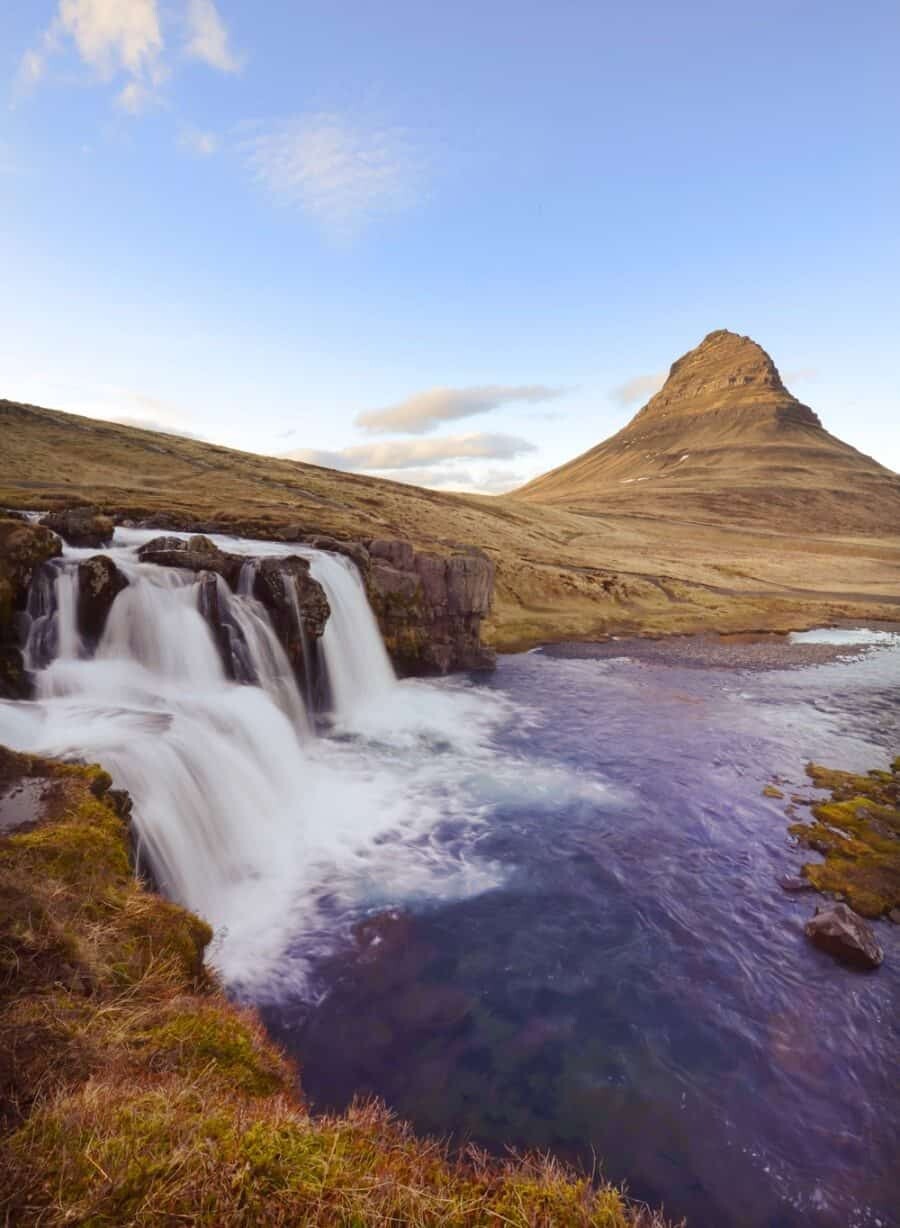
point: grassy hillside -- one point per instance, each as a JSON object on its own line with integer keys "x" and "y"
{"x": 616, "y": 564}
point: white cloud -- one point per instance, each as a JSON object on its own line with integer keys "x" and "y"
{"x": 196, "y": 141}
{"x": 800, "y": 375}
{"x": 410, "y": 454}
{"x": 493, "y": 482}
{"x": 641, "y": 388}
{"x": 151, "y": 424}
{"x": 424, "y": 411}
{"x": 126, "y": 37}
{"x": 208, "y": 39}
{"x": 340, "y": 173}
{"x": 114, "y": 35}
{"x": 136, "y": 97}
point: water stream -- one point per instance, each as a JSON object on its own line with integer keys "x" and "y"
{"x": 538, "y": 908}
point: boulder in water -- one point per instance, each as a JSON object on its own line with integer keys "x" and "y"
{"x": 81, "y": 526}
{"x": 99, "y": 583}
{"x": 196, "y": 553}
{"x": 844, "y": 934}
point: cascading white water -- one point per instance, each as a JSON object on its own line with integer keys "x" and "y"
{"x": 263, "y": 658}
{"x": 359, "y": 669}
{"x": 277, "y": 840}
{"x": 69, "y": 641}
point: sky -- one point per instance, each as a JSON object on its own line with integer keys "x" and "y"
{"x": 448, "y": 244}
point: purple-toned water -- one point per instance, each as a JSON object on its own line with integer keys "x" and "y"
{"x": 634, "y": 985}
{"x": 535, "y": 909}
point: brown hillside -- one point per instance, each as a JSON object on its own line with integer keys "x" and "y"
{"x": 725, "y": 438}
{"x": 769, "y": 523}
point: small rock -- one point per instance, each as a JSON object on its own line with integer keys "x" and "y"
{"x": 771, "y": 791}
{"x": 793, "y": 882}
{"x": 844, "y": 935}
{"x": 894, "y": 915}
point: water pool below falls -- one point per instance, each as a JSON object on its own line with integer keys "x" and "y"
{"x": 534, "y": 909}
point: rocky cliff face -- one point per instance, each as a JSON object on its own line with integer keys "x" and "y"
{"x": 23, "y": 548}
{"x": 430, "y": 606}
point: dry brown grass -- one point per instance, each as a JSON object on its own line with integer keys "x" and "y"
{"x": 765, "y": 557}
{"x": 133, "y": 1093}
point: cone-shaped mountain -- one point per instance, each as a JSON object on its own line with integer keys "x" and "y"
{"x": 725, "y": 438}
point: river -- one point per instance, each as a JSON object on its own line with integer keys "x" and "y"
{"x": 535, "y": 908}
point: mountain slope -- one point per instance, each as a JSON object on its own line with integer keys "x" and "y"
{"x": 724, "y": 437}
{"x": 613, "y": 561}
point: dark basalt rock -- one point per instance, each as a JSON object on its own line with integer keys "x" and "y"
{"x": 81, "y": 526}
{"x": 99, "y": 583}
{"x": 288, "y": 592}
{"x": 844, "y": 935}
{"x": 351, "y": 550}
{"x": 24, "y": 547}
{"x": 285, "y": 587}
{"x": 430, "y": 606}
{"x": 196, "y": 553}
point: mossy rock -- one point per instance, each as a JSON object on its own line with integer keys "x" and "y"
{"x": 857, "y": 831}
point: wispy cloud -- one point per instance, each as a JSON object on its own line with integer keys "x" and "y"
{"x": 196, "y": 141}
{"x": 116, "y": 38}
{"x": 151, "y": 424}
{"x": 800, "y": 375}
{"x": 425, "y": 411}
{"x": 341, "y": 172}
{"x": 493, "y": 482}
{"x": 417, "y": 453}
{"x": 641, "y": 388}
{"x": 208, "y": 38}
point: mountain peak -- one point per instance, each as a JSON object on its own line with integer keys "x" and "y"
{"x": 723, "y": 432}
{"x": 725, "y": 371}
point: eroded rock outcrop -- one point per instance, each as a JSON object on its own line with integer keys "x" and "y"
{"x": 195, "y": 553}
{"x": 296, "y": 603}
{"x": 844, "y": 935}
{"x": 99, "y": 583}
{"x": 298, "y": 609}
{"x": 81, "y": 526}
{"x": 430, "y": 606}
{"x": 23, "y": 548}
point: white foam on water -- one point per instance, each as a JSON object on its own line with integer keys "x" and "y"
{"x": 278, "y": 838}
{"x": 845, "y": 636}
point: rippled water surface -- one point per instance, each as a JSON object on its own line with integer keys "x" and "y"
{"x": 625, "y": 978}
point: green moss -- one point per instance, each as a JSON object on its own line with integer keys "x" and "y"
{"x": 857, "y": 831}
{"x": 232, "y": 1045}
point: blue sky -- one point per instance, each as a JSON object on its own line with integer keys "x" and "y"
{"x": 450, "y": 244}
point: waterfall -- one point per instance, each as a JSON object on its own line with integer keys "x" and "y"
{"x": 257, "y": 653}
{"x": 189, "y": 700}
{"x": 358, "y": 668}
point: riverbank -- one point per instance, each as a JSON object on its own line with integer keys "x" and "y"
{"x": 623, "y": 564}
{"x": 134, "y": 1092}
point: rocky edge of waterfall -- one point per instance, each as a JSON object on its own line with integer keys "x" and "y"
{"x": 429, "y": 604}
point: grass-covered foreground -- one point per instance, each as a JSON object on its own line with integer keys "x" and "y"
{"x": 133, "y": 1092}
